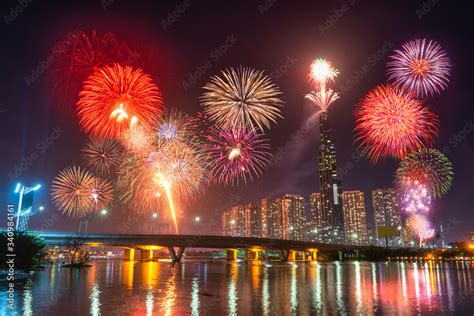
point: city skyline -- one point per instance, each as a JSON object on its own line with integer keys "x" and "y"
{"x": 55, "y": 142}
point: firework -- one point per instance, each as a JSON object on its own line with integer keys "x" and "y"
{"x": 80, "y": 54}
{"x": 426, "y": 166}
{"x": 201, "y": 124}
{"x": 237, "y": 156}
{"x": 322, "y": 73}
{"x": 417, "y": 199}
{"x": 172, "y": 169}
{"x": 183, "y": 168}
{"x": 421, "y": 66}
{"x": 101, "y": 193}
{"x": 115, "y": 99}
{"x": 71, "y": 192}
{"x": 101, "y": 155}
{"x": 136, "y": 186}
{"x": 390, "y": 122}
{"x": 418, "y": 225}
{"x": 175, "y": 125}
{"x": 138, "y": 140}
{"x": 242, "y": 98}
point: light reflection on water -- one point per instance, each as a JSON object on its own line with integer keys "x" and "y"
{"x": 202, "y": 288}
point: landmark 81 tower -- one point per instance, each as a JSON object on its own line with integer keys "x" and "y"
{"x": 331, "y": 219}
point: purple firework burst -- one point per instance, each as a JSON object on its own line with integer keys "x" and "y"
{"x": 420, "y": 66}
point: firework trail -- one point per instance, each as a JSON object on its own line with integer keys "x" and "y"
{"x": 102, "y": 155}
{"x": 242, "y": 99}
{"x": 166, "y": 184}
{"x": 391, "y": 122}
{"x": 115, "y": 99}
{"x": 426, "y": 166}
{"x": 420, "y": 66}
{"x": 234, "y": 156}
{"x": 322, "y": 73}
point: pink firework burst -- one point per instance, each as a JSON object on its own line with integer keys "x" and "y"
{"x": 417, "y": 199}
{"x": 419, "y": 226}
{"x": 420, "y": 66}
{"x": 235, "y": 156}
{"x": 391, "y": 122}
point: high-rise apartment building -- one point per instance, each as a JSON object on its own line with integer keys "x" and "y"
{"x": 387, "y": 217}
{"x": 355, "y": 217}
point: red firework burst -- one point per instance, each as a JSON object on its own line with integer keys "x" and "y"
{"x": 80, "y": 54}
{"x": 115, "y": 99}
{"x": 391, "y": 122}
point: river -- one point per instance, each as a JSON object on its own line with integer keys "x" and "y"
{"x": 200, "y": 287}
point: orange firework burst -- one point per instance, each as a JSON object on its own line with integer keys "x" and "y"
{"x": 71, "y": 192}
{"x": 115, "y": 99}
{"x": 136, "y": 187}
{"x": 101, "y": 155}
{"x": 78, "y": 193}
{"x": 391, "y": 122}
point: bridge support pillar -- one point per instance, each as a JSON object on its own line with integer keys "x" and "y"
{"x": 232, "y": 254}
{"x": 129, "y": 254}
{"x": 176, "y": 257}
{"x": 340, "y": 255}
{"x": 252, "y": 255}
{"x": 287, "y": 255}
{"x": 311, "y": 255}
{"x": 146, "y": 255}
{"x": 357, "y": 253}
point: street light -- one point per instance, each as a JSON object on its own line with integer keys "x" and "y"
{"x": 197, "y": 219}
{"x": 41, "y": 208}
{"x": 155, "y": 215}
{"x": 103, "y": 212}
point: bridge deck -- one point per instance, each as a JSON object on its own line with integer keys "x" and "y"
{"x": 188, "y": 241}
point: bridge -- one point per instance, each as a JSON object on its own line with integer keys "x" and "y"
{"x": 147, "y": 243}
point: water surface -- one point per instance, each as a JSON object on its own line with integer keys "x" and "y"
{"x": 114, "y": 287}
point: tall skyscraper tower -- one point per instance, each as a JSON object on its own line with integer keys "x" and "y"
{"x": 332, "y": 215}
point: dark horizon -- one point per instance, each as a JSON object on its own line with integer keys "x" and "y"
{"x": 281, "y": 38}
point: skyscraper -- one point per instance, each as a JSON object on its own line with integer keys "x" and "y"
{"x": 234, "y": 221}
{"x": 294, "y": 217}
{"x": 332, "y": 216}
{"x": 315, "y": 214}
{"x": 253, "y": 220}
{"x": 355, "y": 217}
{"x": 387, "y": 216}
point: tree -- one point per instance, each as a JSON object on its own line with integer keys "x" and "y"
{"x": 29, "y": 249}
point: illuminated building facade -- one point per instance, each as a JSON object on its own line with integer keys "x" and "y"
{"x": 253, "y": 220}
{"x": 293, "y": 217}
{"x": 315, "y": 217}
{"x": 387, "y": 216}
{"x": 355, "y": 217}
{"x": 332, "y": 216}
{"x": 280, "y": 218}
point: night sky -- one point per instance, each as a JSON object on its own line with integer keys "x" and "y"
{"x": 279, "y": 37}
